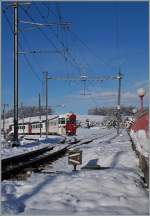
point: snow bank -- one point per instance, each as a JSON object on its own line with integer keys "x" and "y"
{"x": 139, "y": 134}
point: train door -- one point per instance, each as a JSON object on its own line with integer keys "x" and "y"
{"x": 62, "y": 126}
{"x": 29, "y": 128}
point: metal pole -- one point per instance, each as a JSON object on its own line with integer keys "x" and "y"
{"x": 4, "y": 120}
{"x": 16, "y": 72}
{"x": 4, "y": 106}
{"x": 40, "y": 114}
{"x": 22, "y": 116}
{"x": 46, "y": 105}
{"x": 118, "y": 106}
{"x": 142, "y": 103}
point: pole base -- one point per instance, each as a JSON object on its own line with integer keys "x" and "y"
{"x": 15, "y": 143}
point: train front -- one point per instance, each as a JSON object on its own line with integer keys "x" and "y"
{"x": 71, "y": 124}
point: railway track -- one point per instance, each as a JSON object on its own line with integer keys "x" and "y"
{"x": 87, "y": 140}
{"x": 21, "y": 163}
{"x": 31, "y": 161}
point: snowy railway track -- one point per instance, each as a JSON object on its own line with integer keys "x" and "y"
{"x": 32, "y": 161}
{"x": 89, "y": 140}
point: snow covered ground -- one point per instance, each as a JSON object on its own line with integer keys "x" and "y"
{"x": 91, "y": 190}
{"x": 29, "y": 145}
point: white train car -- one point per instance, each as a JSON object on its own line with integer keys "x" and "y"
{"x": 64, "y": 124}
{"x": 53, "y": 126}
{"x": 35, "y": 127}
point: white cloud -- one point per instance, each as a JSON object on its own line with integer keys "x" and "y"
{"x": 141, "y": 83}
{"x": 104, "y": 96}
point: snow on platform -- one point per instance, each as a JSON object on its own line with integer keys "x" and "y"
{"x": 117, "y": 190}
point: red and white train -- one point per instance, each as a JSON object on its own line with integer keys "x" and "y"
{"x": 64, "y": 124}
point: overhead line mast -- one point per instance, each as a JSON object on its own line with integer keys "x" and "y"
{"x": 16, "y": 45}
{"x": 86, "y": 78}
{"x": 15, "y": 5}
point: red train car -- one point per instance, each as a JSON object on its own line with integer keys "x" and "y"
{"x": 67, "y": 124}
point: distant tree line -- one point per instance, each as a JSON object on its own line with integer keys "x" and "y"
{"x": 28, "y": 111}
{"x": 110, "y": 110}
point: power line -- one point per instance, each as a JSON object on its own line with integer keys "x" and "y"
{"x": 8, "y": 21}
{"x": 45, "y": 35}
{"x": 73, "y": 61}
{"x": 41, "y": 30}
{"x": 26, "y": 58}
{"x": 83, "y": 42}
{"x": 90, "y": 50}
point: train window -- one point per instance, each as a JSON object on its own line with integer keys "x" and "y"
{"x": 41, "y": 126}
{"x": 61, "y": 121}
{"x": 71, "y": 120}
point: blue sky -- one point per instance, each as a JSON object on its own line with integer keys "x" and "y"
{"x": 117, "y": 34}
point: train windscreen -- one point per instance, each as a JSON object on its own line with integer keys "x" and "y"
{"x": 71, "y": 120}
{"x": 61, "y": 121}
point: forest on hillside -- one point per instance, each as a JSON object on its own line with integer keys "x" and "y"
{"x": 28, "y": 111}
{"x": 111, "y": 110}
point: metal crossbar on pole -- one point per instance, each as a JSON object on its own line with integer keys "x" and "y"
{"x": 66, "y": 24}
{"x": 85, "y": 78}
{"x": 40, "y": 51}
